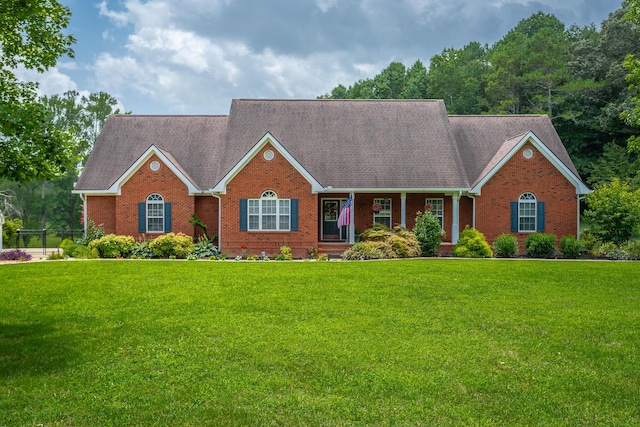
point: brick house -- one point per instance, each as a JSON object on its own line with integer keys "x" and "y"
{"x": 277, "y": 172}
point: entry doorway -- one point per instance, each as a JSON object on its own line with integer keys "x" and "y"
{"x": 330, "y": 211}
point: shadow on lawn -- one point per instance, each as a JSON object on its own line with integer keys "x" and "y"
{"x": 33, "y": 348}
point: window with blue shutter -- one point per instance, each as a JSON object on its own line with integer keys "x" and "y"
{"x": 167, "y": 217}
{"x": 527, "y": 215}
{"x": 243, "y": 214}
{"x": 268, "y": 213}
{"x": 142, "y": 217}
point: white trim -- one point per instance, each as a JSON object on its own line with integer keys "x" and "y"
{"x": 116, "y": 188}
{"x": 221, "y": 186}
{"x": 581, "y": 188}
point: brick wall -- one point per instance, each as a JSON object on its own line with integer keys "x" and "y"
{"x": 102, "y": 211}
{"x": 538, "y": 176}
{"x": 206, "y": 208}
{"x": 256, "y": 177}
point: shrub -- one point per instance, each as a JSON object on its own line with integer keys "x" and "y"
{"x": 396, "y": 243}
{"x": 590, "y": 242}
{"x": 614, "y": 211}
{"x": 141, "y": 250}
{"x": 472, "y": 244}
{"x": 505, "y": 246}
{"x": 633, "y": 248}
{"x": 285, "y": 254}
{"x": 203, "y": 248}
{"x": 428, "y": 232}
{"x": 55, "y": 256}
{"x": 14, "y": 255}
{"x": 93, "y": 233}
{"x": 363, "y": 251}
{"x": 10, "y": 230}
{"x": 112, "y": 246}
{"x": 172, "y": 245}
{"x": 540, "y": 245}
{"x": 571, "y": 247}
{"x": 377, "y": 233}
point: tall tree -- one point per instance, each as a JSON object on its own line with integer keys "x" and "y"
{"x": 632, "y": 64}
{"x": 31, "y": 35}
{"x": 457, "y": 76}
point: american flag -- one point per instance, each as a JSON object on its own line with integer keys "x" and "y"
{"x": 345, "y": 214}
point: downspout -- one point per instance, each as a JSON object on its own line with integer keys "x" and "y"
{"x": 580, "y": 197}
{"x": 219, "y": 221}
{"x": 473, "y": 211}
{"x": 83, "y": 197}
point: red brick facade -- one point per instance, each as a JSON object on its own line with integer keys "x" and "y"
{"x": 119, "y": 214}
{"x": 258, "y": 176}
{"x": 536, "y": 175}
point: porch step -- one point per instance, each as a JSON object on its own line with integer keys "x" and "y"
{"x": 333, "y": 249}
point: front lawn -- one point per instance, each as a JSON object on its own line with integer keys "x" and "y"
{"x": 414, "y": 342}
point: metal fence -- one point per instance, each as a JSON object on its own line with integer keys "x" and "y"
{"x": 24, "y": 237}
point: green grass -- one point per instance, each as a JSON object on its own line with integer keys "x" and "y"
{"x": 422, "y": 342}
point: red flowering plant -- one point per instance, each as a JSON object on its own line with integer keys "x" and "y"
{"x": 244, "y": 247}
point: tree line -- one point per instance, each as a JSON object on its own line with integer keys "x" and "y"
{"x": 575, "y": 75}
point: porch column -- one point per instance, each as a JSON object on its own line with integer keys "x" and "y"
{"x": 403, "y": 210}
{"x": 352, "y": 226}
{"x": 455, "y": 222}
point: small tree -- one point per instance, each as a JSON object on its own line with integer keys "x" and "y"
{"x": 614, "y": 211}
{"x": 428, "y": 232}
{"x": 472, "y": 244}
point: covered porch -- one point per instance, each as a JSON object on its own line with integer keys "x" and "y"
{"x": 391, "y": 208}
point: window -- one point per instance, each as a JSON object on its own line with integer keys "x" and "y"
{"x": 527, "y": 213}
{"x": 383, "y": 216}
{"x": 155, "y": 214}
{"x": 269, "y": 213}
{"x": 437, "y": 208}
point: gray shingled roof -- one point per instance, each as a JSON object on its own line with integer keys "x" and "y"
{"x": 353, "y": 144}
{"x": 480, "y": 137}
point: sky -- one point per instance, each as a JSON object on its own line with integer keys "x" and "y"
{"x": 194, "y": 56}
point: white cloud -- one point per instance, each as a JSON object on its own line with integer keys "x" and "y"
{"x": 50, "y": 82}
{"x": 119, "y": 19}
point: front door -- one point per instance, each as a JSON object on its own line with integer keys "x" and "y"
{"x": 330, "y": 212}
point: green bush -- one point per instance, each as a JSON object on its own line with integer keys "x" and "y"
{"x": 540, "y": 245}
{"x": 141, "y": 250}
{"x": 93, "y": 233}
{"x": 505, "y": 246}
{"x": 396, "y": 243}
{"x": 472, "y": 244}
{"x": 10, "y": 230}
{"x": 112, "y": 246}
{"x": 428, "y": 232}
{"x": 591, "y": 242}
{"x": 172, "y": 245}
{"x": 203, "y": 248}
{"x": 571, "y": 247}
{"x": 363, "y": 251}
{"x": 285, "y": 254}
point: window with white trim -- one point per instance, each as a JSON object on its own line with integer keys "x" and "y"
{"x": 155, "y": 213}
{"x": 269, "y": 213}
{"x": 383, "y": 215}
{"x": 527, "y": 213}
{"x": 437, "y": 208}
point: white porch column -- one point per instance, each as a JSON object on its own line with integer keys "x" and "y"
{"x": 403, "y": 210}
{"x": 352, "y": 226}
{"x": 455, "y": 221}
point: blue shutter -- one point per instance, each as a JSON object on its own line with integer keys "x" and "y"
{"x": 294, "y": 214}
{"x": 514, "y": 217}
{"x": 167, "y": 217}
{"x": 540, "y": 225}
{"x": 142, "y": 217}
{"x": 243, "y": 214}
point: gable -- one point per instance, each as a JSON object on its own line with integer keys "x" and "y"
{"x": 510, "y": 147}
{"x": 163, "y": 157}
{"x": 267, "y": 139}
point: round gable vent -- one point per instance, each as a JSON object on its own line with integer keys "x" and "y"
{"x": 527, "y": 153}
{"x": 269, "y": 155}
{"x": 154, "y": 166}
